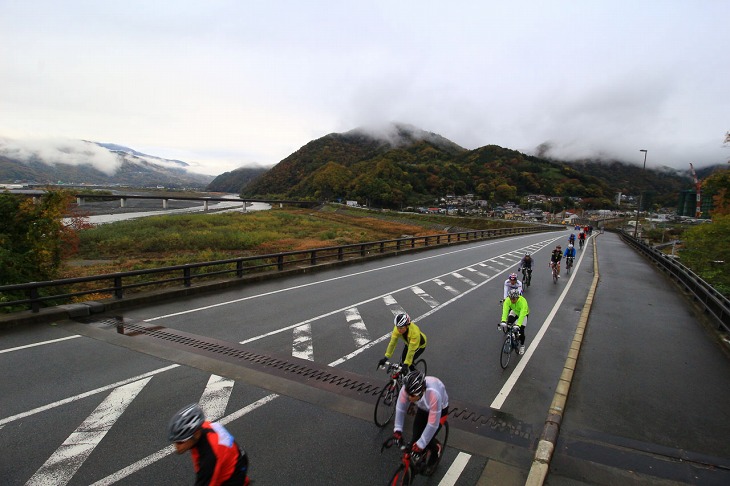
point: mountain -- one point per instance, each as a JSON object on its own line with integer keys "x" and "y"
{"x": 235, "y": 180}
{"x": 403, "y": 165}
{"x": 97, "y": 163}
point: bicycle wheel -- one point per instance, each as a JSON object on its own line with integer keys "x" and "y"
{"x": 442, "y": 436}
{"x": 504, "y": 355}
{"x": 385, "y": 406}
{"x": 421, "y": 366}
{"x": 402, "y": 477}
{"x": 555, "y": 274}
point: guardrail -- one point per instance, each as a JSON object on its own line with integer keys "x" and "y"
{"x": 710, "y": 299}
{"x": 64, "y": 291}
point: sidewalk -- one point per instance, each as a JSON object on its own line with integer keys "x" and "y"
{"x": 649, "y": 398}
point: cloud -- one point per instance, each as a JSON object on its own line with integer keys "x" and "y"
{"x": 61, "y": 151}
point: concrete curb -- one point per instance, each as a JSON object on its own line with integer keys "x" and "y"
{"x": 546, "y": 445}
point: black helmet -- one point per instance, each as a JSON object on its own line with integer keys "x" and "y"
{"x": 415, "y": 382}
{"x": 185, "y": 423}
{"x": 401, "y": 320}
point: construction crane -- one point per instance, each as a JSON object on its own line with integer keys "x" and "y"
{"x": 698, "y": 189}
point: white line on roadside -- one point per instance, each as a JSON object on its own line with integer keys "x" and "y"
{"x": 296, "y": 287}
{"x": 18, "y": 348}
{"x": 512, "y": 380}
{"x": 58, "y": 403}
{"x": 457, "y": 467}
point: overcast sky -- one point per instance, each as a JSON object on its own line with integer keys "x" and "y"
{"x": 223, "y": 84}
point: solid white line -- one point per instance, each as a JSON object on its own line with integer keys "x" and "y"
{"x": 215, "y": 397}
{"x": 512, "y": 380}
{"x": 68, "y": 458}
{"x": 457, "y": 467}
{"x": 162, "y": 453}
{"x": 10, "y": 350}
{"x": 12, "y": 418}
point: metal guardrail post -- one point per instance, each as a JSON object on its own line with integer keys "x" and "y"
{"x": 313, "y": 258}
{"x": 186, "y": 276}
{"x": 35, "y": 305}
{"x": 280, "y": 262}
{"x": 118, "y": 289}
{"x": 340, "y": 253}
{"x": 239, "y": 269}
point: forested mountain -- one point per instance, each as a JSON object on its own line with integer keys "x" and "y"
{"x": 408, "y": 166}
{"x": 235, "y": 180}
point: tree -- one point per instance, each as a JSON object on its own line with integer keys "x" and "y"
{"x": 707, "y": 252}
{"x": 34, "y": 238}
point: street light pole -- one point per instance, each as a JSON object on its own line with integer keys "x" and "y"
{"x": 641, "y": 193}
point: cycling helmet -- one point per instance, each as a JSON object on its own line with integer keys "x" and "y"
{"x": 513, "y": 276}
{"x": 402, "y": 319}
{"x": 185, "y": 423}
{"x": 415, "y": 382}
{"x": 558, "y": 247}
{"x": 513, "y": 294}
{"x": 570, "y": 246}
{"x": 527, "y": 254}
{"x": 572, "y": 236}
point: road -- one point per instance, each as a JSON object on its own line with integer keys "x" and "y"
{"x": 289, "y": 366}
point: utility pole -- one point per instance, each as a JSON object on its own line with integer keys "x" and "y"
{"x": 641, "y": 193}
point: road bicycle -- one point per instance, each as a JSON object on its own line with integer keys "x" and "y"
{"x": 568, "y": 264}
{"x": 413, "y": 464}
{"x": 581, "y": 242}
{"x": 388, "y": 398}
{"x": 511, "y": 343}
{"x": 526, "y": 277}
{"x": 556, "y": 272}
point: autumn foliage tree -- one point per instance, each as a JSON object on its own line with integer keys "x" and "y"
{"x": 34, "y": 238}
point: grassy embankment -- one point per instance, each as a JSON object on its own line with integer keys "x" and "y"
{"x": 159, "y": 241}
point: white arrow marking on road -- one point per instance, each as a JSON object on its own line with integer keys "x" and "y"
{"x": 215, "y": 397}
{"x": 357, "y": 327}
{"x": 63, "y": 464}
{"x": 303, "y": 347}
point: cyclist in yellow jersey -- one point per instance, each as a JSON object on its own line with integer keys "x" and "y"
{"x": 515, "y": 311}
{"x": 415, "y": 341}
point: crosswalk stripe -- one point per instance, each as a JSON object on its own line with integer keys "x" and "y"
{"x": 303, "y": 347}
{"x": 424, "y": 296}
{"x": 68, "y": 458}
{"x": 357, "y": 327}
{"x": 477, "y": 272}
{"x": 215, "y": 397}
{"x": 464, "y": 279}
{"x": 451, "y": 289}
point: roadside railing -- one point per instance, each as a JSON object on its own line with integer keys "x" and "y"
{"x": 35, "y": 295}
{"x": 703, "y": 293}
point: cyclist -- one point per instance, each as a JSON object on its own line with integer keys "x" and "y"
{"x": 569, "y": 253}
{"x": 515, "y": 310}
{"x": 571, "y": 239}
{"x": 555, "y": 258}
{"x": 415, "y": 341}
{"x": 526, "y": 262}
{"x": 511, "y": 283}
{"x": 428, "y": 393}
{"x": 582, "y": 238}
{"x": 217, "y": 458}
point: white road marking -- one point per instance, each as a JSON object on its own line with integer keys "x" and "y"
{"x": 389, "y": 300}
{"x": 18, "y": 348}
{"x": 424, "y": 296}
{"x": 357, "y": 327}
{"x": 464, "y": 279}
{"x": 63, "y": 464}
{"x": 484, "y": 275}
{"x": 530, "y": 349}
{"x": 74, "y": 398}
{"x": 455, "y": 470}
{"x": 162, "y": 453}
{"x": 215, "y": 397}
{"x": 451, "y": 289}
{"x": 296, "y": 287}
{"x": 302, "y": 347}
